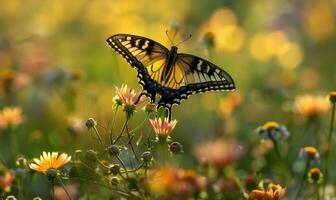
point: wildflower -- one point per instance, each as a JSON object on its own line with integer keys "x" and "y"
{"x": 218, "y": 153}
{"x": 49, "y": 162}
{"x": 273, "y": 192}
{"x": 311, "y": 106}
{"x": 309, "y": 153}
{"x": 176, "y": 148}
{"x": 128, "y": 98}
{"x": 6, "y": 180}
{"x": 10, "y": 116}
{"x": 332, "y": 96}
{"x": 269, "y": 129}
{"x": 162, "y": 127}
{"x": 315, "y": 176}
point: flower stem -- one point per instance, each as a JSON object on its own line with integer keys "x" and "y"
{"x": 276, "y": 147}
{"x": 317, "y": 192}
{"x": 52, "y": 190}
{"x": 329, "y": 148}
{"x": 302, "y": 180}
{"x": 131, "y": 145}
{"x": 122, "y": 131}
{"x": 99, "y": 137}
{"x": 140, "y": 125}
{"x": 64, "y": 188}
{"x": 122, "y": 163}
{"x": 113, "y": 123}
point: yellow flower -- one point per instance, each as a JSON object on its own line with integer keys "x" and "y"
{"x": 10, "y": 116}
{"x": 310, "y": 153}
{"x": 163, "y": 127}
{"x": 310, "y": 106}
{"x": 269, "y": 129}
{"x": 49, "y": 161}
{"x": 218, "y": 153}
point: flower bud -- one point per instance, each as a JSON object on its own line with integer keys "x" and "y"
{"x": 114, "y": 169}
{"x": 332, "y": 96}
{"x": 91, "y": 155}
{"x": 21, "y": 162}
{"x": 150, "y": 108}
{"x": 147, "y": 156}
{"x": 114, "y": 150}
{"x": 90, "y": 123}
{"x": 114, "y": 181}
{"x": 176, "y": 148}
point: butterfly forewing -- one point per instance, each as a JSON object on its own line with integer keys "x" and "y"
{"x": 138, "y": 49}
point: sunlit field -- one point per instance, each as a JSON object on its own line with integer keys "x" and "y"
{"x": 73, "y": 124}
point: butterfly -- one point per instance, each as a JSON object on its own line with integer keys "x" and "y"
{"x": 174, "y": 76}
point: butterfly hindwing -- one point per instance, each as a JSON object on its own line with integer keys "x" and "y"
{"x": 195, "y": 75}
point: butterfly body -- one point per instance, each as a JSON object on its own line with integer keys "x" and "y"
{"x": 164, "y": 72}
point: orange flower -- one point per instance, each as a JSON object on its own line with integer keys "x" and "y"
{"x": 275, "y": 192}
{"x": 10, "y": 116}
{"x": 173, "y": 182}
{"x": 6, "y": 180}
{"x": 310, "y": 106}
{"x": 218, "y": 153}
{"x": 162, "y": 127}
{"x": 49, "y": 161}
{"x": 315, "y": 176}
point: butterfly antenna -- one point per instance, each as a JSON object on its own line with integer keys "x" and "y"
{"x": 184, "y": 40}
{"x": 170, "y": 40}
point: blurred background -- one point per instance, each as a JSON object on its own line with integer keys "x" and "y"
{"x": 57, "y": 68}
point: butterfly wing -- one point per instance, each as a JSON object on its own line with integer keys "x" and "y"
{"x": 138, "y": 51}
{"x": 192, "y": 74}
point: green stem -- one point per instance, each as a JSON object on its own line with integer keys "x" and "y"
{"x": 64, "y": 188}
{"x": 52, "y": 190}
{"x": 276, "y": 147}
{"x": 122, "y": 163}
{"x": 329, "y": 148}
{"x": 99, "y": 137}
{"x": 302, "y": 180}
{"x": 317, "y": 192}
{"x": 140, "y": 125}
{"x": 102, "y": 164}
{"x": 131, "y": 145}
{"x": 113, "y": 123}
{"x": 122, "y": 131}
{"x": 20, "y": 188}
